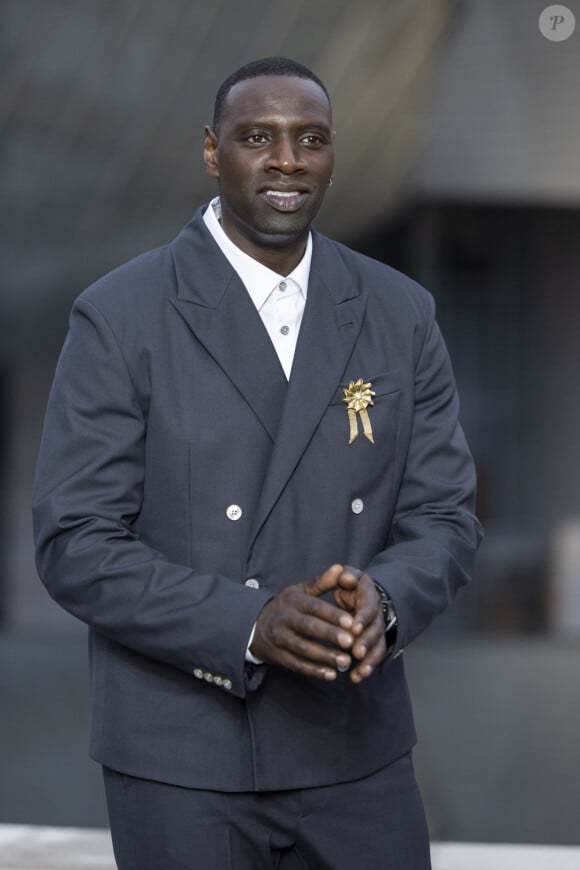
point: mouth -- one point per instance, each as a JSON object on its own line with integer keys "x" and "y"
{"x": 284, "y": 200}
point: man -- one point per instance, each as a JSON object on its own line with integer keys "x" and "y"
{"x": 253, "y": 487}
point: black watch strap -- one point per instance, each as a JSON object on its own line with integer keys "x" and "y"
{"x": 389, "y": 615}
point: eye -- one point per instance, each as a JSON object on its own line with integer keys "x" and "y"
{"x": 312, "y": 140}
{"x": 256, "y": 139}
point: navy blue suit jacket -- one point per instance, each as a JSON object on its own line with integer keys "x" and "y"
{"x": 169, "y": 404}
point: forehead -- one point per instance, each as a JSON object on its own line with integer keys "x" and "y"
{"x": 276, "y": 97}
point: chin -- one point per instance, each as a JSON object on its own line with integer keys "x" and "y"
{"x": 286, "y": 226}
{"x": 279, "y": 236}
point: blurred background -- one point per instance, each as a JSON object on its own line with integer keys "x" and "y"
{"x": 458, "y": 161}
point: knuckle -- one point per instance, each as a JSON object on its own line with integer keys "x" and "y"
{"x": 300, "y": 647}
{"x": 302, "y": 626}
{"x": 292, "y": 664}
{"x": 310, "y": 605}
{"x": 287, "y": 597}
{"x": 276, "y": 634}
{"x": 312, "y": 627}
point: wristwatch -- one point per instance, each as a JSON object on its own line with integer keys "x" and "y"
{"x": 389, "y": 615}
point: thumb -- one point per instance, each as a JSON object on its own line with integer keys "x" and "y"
{"x": 325, "y": 582}
{"x": 349, "y": 577}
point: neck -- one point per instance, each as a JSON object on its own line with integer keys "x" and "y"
{"x": 282, "y": 260}
{"x": 280, "y": 253}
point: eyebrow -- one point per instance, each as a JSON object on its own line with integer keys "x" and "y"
{"x": 274, "y": 121}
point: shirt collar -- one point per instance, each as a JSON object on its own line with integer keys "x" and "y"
{"x": 258, "y": 279}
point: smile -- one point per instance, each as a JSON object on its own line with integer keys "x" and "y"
{"x": 287, "y": 200}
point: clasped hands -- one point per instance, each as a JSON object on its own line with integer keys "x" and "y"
{"x": 291, "y": 626}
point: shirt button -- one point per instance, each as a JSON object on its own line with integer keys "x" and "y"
{"x": 198, "y": 673}
{"x": 233, "y": 512}
{"x": 357, "y": 505}
{"x": 252, "y": 583}
{"x": 282, "y": 285}
{"x": 227, "y": 684}
{"x": 284, "y": 330}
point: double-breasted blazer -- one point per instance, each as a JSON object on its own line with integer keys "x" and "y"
{"x": 177, "y": 463}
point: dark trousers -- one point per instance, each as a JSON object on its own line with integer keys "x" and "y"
{"x": 375, "y": 823}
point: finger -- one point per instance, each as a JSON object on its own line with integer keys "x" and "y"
{"x": 307, "y": 652}
{"x": 276, "y": 637}
{"x": 370, "y": 648}
{"x": 369, "y": 637}
{"x": 310, "y": 626}
{"x": 345, "y": 592}
{"x": 294, "y": 614}
{"x": 300, "y": 624}
{"x": 371, "y": 661}
{"x": 366, "y": 598}
{"x": 325, "y": 582}
{"x": 349, "y": 577}
{"x": 308, "y": 668}
{"x": 323, "y": 610}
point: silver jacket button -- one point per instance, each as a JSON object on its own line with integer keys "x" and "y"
{"x": 252, "y": 583}
{"x": 227, "y": 684}
{"x": 233, "y": 512}
{"x": 198, "y": 673}
{"x": 357, "y": 505}
{"x": 208, "y": 677}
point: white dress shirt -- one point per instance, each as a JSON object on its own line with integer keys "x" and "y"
{"x": 279, "y": 301}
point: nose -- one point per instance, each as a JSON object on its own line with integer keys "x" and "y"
{"x": 285, "y": 156}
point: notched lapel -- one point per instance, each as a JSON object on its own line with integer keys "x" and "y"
{"x": 217, "y": 308}
{"x": 330, "y": 327}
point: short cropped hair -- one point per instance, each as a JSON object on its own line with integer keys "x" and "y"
{"x": 265, "y": 66}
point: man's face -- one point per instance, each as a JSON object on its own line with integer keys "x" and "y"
{"x": 273, "y": 158}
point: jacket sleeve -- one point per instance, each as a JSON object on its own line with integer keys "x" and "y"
{"x": 434, "y": 534}
{"x": 87, "y": 496}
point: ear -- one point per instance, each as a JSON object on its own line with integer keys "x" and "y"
{"x": 210, "y": 143}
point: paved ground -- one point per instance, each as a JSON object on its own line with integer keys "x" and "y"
{"x": 42, "y": 848}
{"x": 498, "y": 754}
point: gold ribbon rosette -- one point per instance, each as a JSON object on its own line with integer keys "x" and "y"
{"x": 358, "y": 396}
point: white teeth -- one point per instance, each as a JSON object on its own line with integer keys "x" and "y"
{"x": 285, "y": 200}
